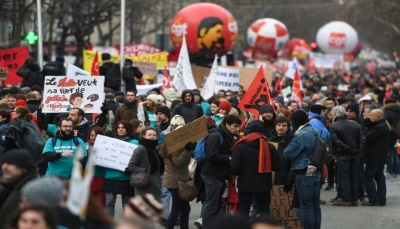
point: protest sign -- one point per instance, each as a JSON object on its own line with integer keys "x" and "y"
{"x": 62, "y": 93}
{"x": 113, "y": 153}
{"x": 227, "y": 79}
{"x": 13, "y": 59}
{"x": 326, "y": 60}
{"x": 280, "y": 207}
{"x": 148, "y": 69}
{"x": 143, "y": 89}
{"x": 191, "y": 132}
{"x": 72, "y": 70}
{"x": 3, "y": 73}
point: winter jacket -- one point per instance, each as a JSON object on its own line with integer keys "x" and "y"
{"x": 176, "y": 166}
{"x": 113, "y": 105}
{"x": 31, "y": 75}
{"x": 129, "y": 73}
{"x": 244, "y": 164}
{"x": 317, "y": 121}
{"x": 104, "y": 69}
{"x": 377, "y": 143}
{"x": 61, "y": 68}
{"x": 189, "y": 111}
{"x": 280, "y": 164}
{"x": 392, "y": 114}
{"x": 347, "y": 135}
{"x": 125, "y": 113}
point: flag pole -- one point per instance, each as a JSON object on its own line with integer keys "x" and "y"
{"x": 122, "y": 44}
{"x": 40, "y": 37}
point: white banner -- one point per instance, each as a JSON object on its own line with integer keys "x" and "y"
{"x": 143, "y": 89}
{"x": 62, "y": 93}
{"x": 208, "y": 89}
{"x": 72, "y": 70}
{"x": 183, "y": 78}
{"x": 326, "y": 60}
{"x": 113, "y": 153}
{"x": 227, "y": 79}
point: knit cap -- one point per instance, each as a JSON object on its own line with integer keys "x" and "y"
{"x": 225, "y": 105}
{"x": 354, "y": 107}
{"x": 20, "y": 158}
{"x": 105, "y": 56}
{"x": 145, "y": 207}
{"x": 155, "y": 98}
{"x": 298, "y": 118}
{"x": 170, "y": 94}
{"x": 256, "y": 127}
{"x": 165, "y": 110}
{"x": 47, "y": 190}
{"x": 21, "y": 103}
{"x": 177, "y": 120}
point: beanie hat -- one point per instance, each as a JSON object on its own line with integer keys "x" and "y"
{"x": 60, "y": 59}
{"x": 341, "y": 101}
{"x": 170, "y": 94}
{"x": 21, "y": 103}
{"x": 317, "y": 108}
{"x": 47, "y": 190}
{"x": 234, "y": 102}
{"x": 340, "y": 94}
{"x": 307, "y": 100}
{"x": 210, "y": 122}
{"x": 177, "y": 120}
{"x": 157, "y": 90}
{"x": 279, "y": 99}
{"x": 117, "y": 93}
{"x": 105, "y": 56}
{"x": 298, "y": 118}
{"x": 155, "y": 98}
{"x": 225, "y": 105}
{"x": 196, "y": 92}
{"x": 20, "y": 158}
{"x": 256, "y": 127}
{"x": 354, "y": 107}
{"x": 145, "y": 207}
{"x": 165, "y": 110}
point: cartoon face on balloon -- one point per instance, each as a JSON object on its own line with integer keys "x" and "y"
{"x": 209, "y": 37}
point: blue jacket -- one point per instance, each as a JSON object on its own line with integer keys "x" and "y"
{"x": 316, "y": 121}
{"x": 302, "y": 144}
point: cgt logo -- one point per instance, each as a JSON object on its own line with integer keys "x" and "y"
{"x": 232, "y": 25}
{"x": 178, "y": 28}
{"x": 337, "y": 40}
{"x": 265, "y": 44}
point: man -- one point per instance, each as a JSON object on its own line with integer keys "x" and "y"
{"x": 315, "y": 97}
{"x": 281, "y": 136}
{"x": 221, "y": 95}
{"x": 11, "y": 100}
{"x": 240, "y": 94}
{"x": 37, "y": 94}
{"x": 368, "y": 110}
{"x": 348, "y": 143}
{"x": 188, "y": 109}
{"x": 307, "y": 178}
{"x": 199, "y": 100}
{"x": 366, "y": 100}
{"x": 267, "y": 117}
{"x": 280, "y": 101}
{"x": 305, "y": 103}
{"x": 129, "y": 73}
{"x": 108, "y": 65}
{"x": 376, "y": 151}
{"x": 353, "y": 113}
{"x": 55, "y": 68}
{"x": 317, "y": 117}
{"x": 163, "y": 114}
{"x": 110, "y": 97}
{"x": 32, "y": 102}
{"x": 216, "y": 167}
{"x": 60, "y": 152}
{"x": 342, "y": 102}
{"x": 330, "y": 103}
{"x": 292, "y": 106}
{"x": 18, "y": 169}
{"x": 131, "y": 110}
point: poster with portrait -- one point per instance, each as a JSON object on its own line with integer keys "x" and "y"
{"x": 63, "y": 93}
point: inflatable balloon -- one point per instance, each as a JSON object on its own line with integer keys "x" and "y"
{"x": 209, "y": 29}
{"x": 297, "y": 47}
{"x": 337, "y": 37}
{"x": 266, "y": 36}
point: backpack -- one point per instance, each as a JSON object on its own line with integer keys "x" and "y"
{"x": 322, "y": 151}
{"x": 200, "y": 150}
{"x": 54, "y": 141}
{"x": 51, "y": 69}
{"x": 113, "y": 79}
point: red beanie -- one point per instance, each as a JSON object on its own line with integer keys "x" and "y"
{"x": 225, "y": 105}
{"x": 21, "y": 102}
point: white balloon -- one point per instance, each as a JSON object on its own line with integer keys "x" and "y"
{"x": 337, "y": 37}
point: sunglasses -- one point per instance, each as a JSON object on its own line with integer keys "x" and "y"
{"x": 350, "y": 111}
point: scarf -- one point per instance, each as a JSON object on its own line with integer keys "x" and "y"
{"x": 151, "y": 154}
{"x": 230, "y": 136}
{"x": 124, "y": 138}
{"x": 264, "y": 156}
{"x": 130, "y": 104}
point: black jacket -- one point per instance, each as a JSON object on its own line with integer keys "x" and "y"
{"x": 392, "y": 114}
{"x": 347, "y": 135}
{"x": 31, "y": 75}
{"x": 217, "y": 162}
{"x": 129, "y": 73}
{"x": 104, "y": 69}
{"x": 189, "y": 111}
{"x": 113, "y": 105}
{"x": 61, "y": 67}
{"x": 280, "y": 164}
{"x": 244, "y": 164}
{"x": 377, "y": 144}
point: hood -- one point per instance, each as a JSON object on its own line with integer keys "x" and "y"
{"x": 34, "y": 68}
{"x": 186, "y": 91}
{"x": 392, "y": 106}
{"x": 317, "y": 116}
{"x": 83, "y": 122}
{"x": 267, "y": 107}
{"x": 60, "y": 65}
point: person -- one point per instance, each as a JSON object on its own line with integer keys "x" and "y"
{"x": 60, "y": 150}
{"x": 18, "y": 169}
{"x": 330, "y": 102}
{"x": 377, "y": 147}
{"x": 32, "y": 102}
{"x": 137, "y": 128}
{"x": 145, "y": 158}
{"x": 131, "y": 110}
{"x": 31, "y": 73}
{"x": 199, "y": 100}
{"x": 107, "y": 66}
{"x": 348, "y": 143}
{"x": 267, "y": 117}
{"x": 151, "y": 105}
{"x": 4, "y": 121}
{"x": 353, "y": 113}
{"x": 188, "y": 109}
{"x": 176, "y": 170}
{"x": 170, "y": 96}
{"x": 252, "y": 150}
{"x": 34, "y": 216}
{"x": 163, "y": 115}
{"x": 232, "y": 222}
{"x": 117, "y": 182}
{"x": 368, "y": 109}
{"x": 366, "y": 100}
{"x": 110, "y": 97}
{"x": 292, "y": 106}
{"x": 224, "y": 109}
{"x": 129, "y": 73}
{"x": 59, "y": 63}
{"x": 299, "y": 151}
{"x": 11, "y": 100}
{"x": 216, "y": 167}
{"x": 282, "y": 135}
{"x": 214, "y": 107}
{"x": 266, "y": 222}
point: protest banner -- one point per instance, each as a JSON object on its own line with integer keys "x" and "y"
{"x": 13, "y": 59}
{"x": 227, "y": 79}
{"x": 148, "y": 69}
{"x": 280, "y": 207}
{"x": 143, "y": 89}
{"x": 72, "y": 70}
{"x": 325, "y": 60}
{"x": 191, "y": 132}
{"x": 112, "y": 153}
{"x": 3, "y": 73}
{"x": 62, "y": 93}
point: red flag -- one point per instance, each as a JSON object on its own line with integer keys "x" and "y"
{"x": 257, "y": 95}
{"x": 296, "y": 91}
{"x": 278, "y": 85}
{"x": 13, "y": 59}
{"x": 95, "y": 66}
{"x": 166, "y": 82}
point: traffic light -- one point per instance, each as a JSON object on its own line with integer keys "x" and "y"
{"x": 31, "y": 38}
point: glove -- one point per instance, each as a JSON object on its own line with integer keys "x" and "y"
{"x": 189, "y": 146}
{"x": 356, "y": 154}
{"x": 288, "y": 186}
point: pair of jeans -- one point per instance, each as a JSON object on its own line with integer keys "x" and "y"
{"x": 309, "y": 211}
{"x": 166, "y": 197}
{"x": 348, "y": 169}
{"x": 392, "y": 162}
{"x": 375, "y": 194}
{"x": 245, "y": 201}
{"x": 214, "y": 190}
{"x": 178, "y": 207}
{"x": 111, "y": 198}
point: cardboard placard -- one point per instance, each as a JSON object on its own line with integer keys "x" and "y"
{"x": 191, "y": 132}
{"x": 113, "y": 153}
{"x": 147, "y": 68}
{"x": 3, "y": 73}
{"x": 280, "y": 207}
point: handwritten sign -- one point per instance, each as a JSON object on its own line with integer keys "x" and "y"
{"x": 227, "y": 79}
{"x": 62, "y": 93}
{"x": 3, "y": 73}
{"x": 280, "y": 207}
{"x": 113, "y": 153}
{"x": 13, "y": 59}
{"x": 148, "y": 69}
{"x": 191, "y": 132}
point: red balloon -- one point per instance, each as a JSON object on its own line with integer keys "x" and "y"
{"x": 210, "y": 29}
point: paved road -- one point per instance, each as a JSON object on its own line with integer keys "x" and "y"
{"x": 387, "y": 217}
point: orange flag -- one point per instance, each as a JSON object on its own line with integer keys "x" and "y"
{"x": 166, "y": 81}
{"x": 296, "y": 91}
{"x": 95, "y": 71}
{"x": 257, "y": 95}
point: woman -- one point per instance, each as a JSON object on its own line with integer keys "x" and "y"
{"x": 215, "y": 111}
{"x": 117, "y": 182}
{"x": 99, "y": 172}
{"x": 223, "y": 109}
{"x": 4, "y": 120}
{"x": 30, "y": 73}
{"x": 151, "y": 104}
{"x": 137, "y": 127}
{"x": 34, "y": 216}
{"x": 145, "y": 158}
{"x": 176, "y": 169}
